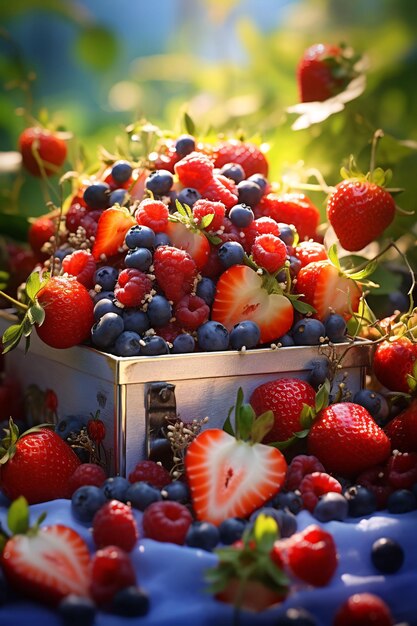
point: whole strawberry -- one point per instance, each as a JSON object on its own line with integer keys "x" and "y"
{"x": 43, "y": 152}
{"x": 347, "y": 440}
{"x": 394, "y": 363}
{"x": 323, "y": 71}
{"x": 36, "y": 464}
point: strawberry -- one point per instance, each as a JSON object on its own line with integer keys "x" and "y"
{"x": 44, "y": 563}
{"x": 323, "y": 71}
{"x": 402, "y": 429}
{"x": 363, "y": 609}
{"x": 41, "y": 231}
{"x": 285, "y": 397}
{"x": 244, "y": 153}
{"x": 310, "y": 251}
{"x": 43, "y": 152}
{"x": 329, "y": 290}
{"x": 242, "y": 294}
{"x": 36, "y": 464}
{"x": 311, "y": 555}
{"x": 347, "y": 440}
{"x": 232, "y": 476}
{"x": 359, "y": 211}
{"x": 190, "y": 239}
{"x": 111, "y": 231}
{"x": 291, "y": 208}
{"x": 394, "y": 364}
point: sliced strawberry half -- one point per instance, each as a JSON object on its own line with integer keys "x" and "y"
{"x": 230, "y": 477}
{"x": 48, "y": 565}
{"x": 191, "y": 240}
{"x": 242, "y": 294}
{"x": 111, "y": 231}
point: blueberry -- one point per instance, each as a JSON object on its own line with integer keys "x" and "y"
{"x": 184, "y": 145}
{"x": 141, "y": 495}
{"x": 336, "y": 328}
{"x": 288, "y": 500}
{"x": 387, "y": 555}
{"x": 78, "y": 610}
{"x": 159, "y": 182}
{"x": 241, "y": 215}
{"x": 62, "y": 253}
{"x": 259, "y": 180}
{"x": 212, "y": 336}
{"x": 119, "y": 196}
{"x": 101, "y": 295}
{"x": 331, "y": 506}
{"x": 127, "y": 344}
{"x": 295, "y": 265}
{"x": 188, "y": 196}
{"x": 183, "y": 344}
{"x": 86, "y": 501}
{"x": 139, "y": 236}
{"x": 234, "y": 171}
{"x": 308, "y": 332}
{"x": 130, "y": 602}
{"x": 104, "y": 306}
{"x": 106, "y": 277}
{"x": 70, "y": 424}
{"x": 159, "y": 311}
{"x": 296, "y": 617}
{"x": 285, "y": 341}
{"x": 115, "y": 488}
{"x": 319, "y": 371}
{"x": 375, "y": 403}
{"x": 401, "y": 501}
{"x": 154, "y": 345}
{"x": 121, "y": 171}
{"x": 162, "y": 239}
{"x": 231, "y": 530}
{"x": 202, "y": 535}
{"x": 97, "y": 195}
{"x": 139, "y": 258}
{"x": 249, "y": 193}
{"x": 206, "y": 289}
{"x": 286, "y": 233}
{"x": 361, "y": 501}
{"x": 177, "y": 491}
{"x": 105, "y": 332}
{"x": 135, "y": 320}
{"x": 245, "y": 334}
{"x": 231, "y": 253}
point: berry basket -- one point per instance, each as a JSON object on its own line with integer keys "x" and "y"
{"x": 135, "y": 395}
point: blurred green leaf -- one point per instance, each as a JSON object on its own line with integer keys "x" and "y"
{"x": 97, "y": 47}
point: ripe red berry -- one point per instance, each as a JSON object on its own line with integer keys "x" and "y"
{"x": 82, "y": 265}
{"x": 132, "y": 286}
{"x": 194, "y": 170}
{"x": 111, "y": 570}
{"x": 315, "y": 485}
{"x": 375, "y": 479}
{"x": 309, "y": 251}
{"x": 300, "y": 466}
{"x": 191, "y": 312}
{"x": 220, "y": 189}
{"x": 43, "y": 152}
{"x": 363, "y": 609}
{"x": 175, "y": 271}
{"x": 150, "y": 472}
{"x": 114, "y": 525}
{"x": 269, "y": 252}
{"x": 154, "y": 214}
{"x": 207, "y": 207}
{"x": 41, "y": 231}
{"x": 402, "y": 470}
{"x": 266, "y": 225}
{"x": 166, "y": 521}
{"x": 312, "y": 555}
{"x": 86, "y": 474}
{"x": 244, "y": 153}
{"x": 96, "y": 430}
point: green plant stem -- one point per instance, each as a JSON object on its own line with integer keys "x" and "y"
{"x": 19, "y": 305}
{"x": 378, "y": 134}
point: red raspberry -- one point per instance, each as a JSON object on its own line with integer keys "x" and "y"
{"x": 166, "y": 158}
{"x": 150, "y": 472}
{"x": 40, "y": 232}
{"x": 111, "y": 571}
{"x": 309, "y": 251}
{"x": 228, "y": 232}
{"x": 89, "y": 222}
{"x": 246, "y": 154}
{"x": 375, "y": 479}
{"x": 218, "y": 190}
{"x": 300, "y": 466}
{"x": 312, "y": 555}
{"x": 175, "y": 271}
{"x": 402, "y": 470}
{"x": 86, "y": 474}
{"x": 169, "y": 332}
{"x": 247, "y": 236}
{"x": 291, "y": 208}
{"x": 191, "y": 312}
{"x": 115, "y": 525}
{"x": 206, "y": 207}
{"x": 154, "y": 214}
{"x": 363, "y": 609}
{"x": 269, "y": 252}
{"x": 266, "y": 225}
{"x": 194, "y": 170}
{"x": 213, "y": 266}
{"x": 82, "y": 265}
{"x": 315, "y": 485}
{"x": 132, "y": 286}
{"x": 166, "y": 521}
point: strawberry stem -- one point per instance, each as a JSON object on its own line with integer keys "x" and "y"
{"x": 378, "y": 134}
{"x": 16, "y": 303}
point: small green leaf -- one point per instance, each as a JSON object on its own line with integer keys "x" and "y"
{"x": 412, "y": 383}
{"x": 189, "y": 124}
{"x": 26, "y": 326}
{"x": 332, "y": 254}
{"x": 245, "y": 418}
{"x": 283, "y": 445}
{"x": 301, "y": 307}
{"x": 227, "y": 426}
{"x": 36, "y": 314}
{"x": 33, "y": 284}
{"x": 206, "y": 220}
{"x": 214, "y": 239}
{"x": 302, "y": 434}
{"x": 322, "y": 396}
{"x": 18, "y": 516}
{"x": 261, "y": 426}
{"x": 366, "y": 271}
{"x": 307, "y": 416}
{"x": 11, "y": 337}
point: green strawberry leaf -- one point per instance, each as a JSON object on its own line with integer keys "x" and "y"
{"x": 227, "y": 426}
{"x": 412, "y": 383}
{"x": 206, "y": 220}
{"x": 36, "y": 314}
{"x": 214, "y": 239}
{"x": 322, "y": 396}
{"x": 246, "y": 417}
{"x": 302, "y": 307}
{"x": 332, "y": 254}
{"x": 33, "y": 284}
{"x": 11, "y": 337}
{"x": 189, "y": 124}
{"x": 283, "y": 445}
{"x": 261, "y": 426}
{"x": 365, "y": 272}
{"x": 307, "y": 416}
{"x": 302, "y": 434}
{"x": 18, "y": 516}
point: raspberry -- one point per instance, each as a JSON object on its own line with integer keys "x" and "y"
{"x": 213, "y": 266}
{"x": 300, "y": 466}
{"x": 402, "y": 470}
{"x": 86, "y": 474}
{"x": 315, "y": 485}
{"x": 115, "y": 525}
{"x": 89, "y": 222}
{"x": 312, "y": 556}
{"x": 375, "y": 479}
{"x": 166, "y": 158}
{"x": 248, "y": 155}
{"x": 247, "y": 236}
{"x": 218, "y": 190}
{"x": 191, "y": 312}
{"x": 228, "y": 232}
{"x": 132, "y": 286}
{"x": 150, "y": 472}
{"x": 269, "y": 252}
{"x": 175, "y": 271}
{"x": 363, "y": 609}
{"x": 154, "y": 214}
{"x": 309, "y": 251}
{"x": 167, "y": 521}
{"x": 194, "y": 170}
{"x": 206, "y": 207}
{"x": 266, "y": 225}
{"x": 74, "y": 215}
{"x": 291, "y": 208}
{"x": 169, "y": 332}
{"x": 82, "y": 265}
{"x": 111, "y": 570}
